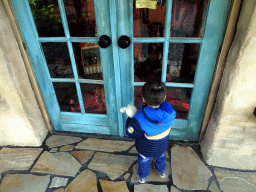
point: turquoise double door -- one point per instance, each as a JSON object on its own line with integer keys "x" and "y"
{"x": 92, "y": 57}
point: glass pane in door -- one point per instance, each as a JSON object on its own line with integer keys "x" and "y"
{"x": 81, "y": 18}
{"x": 47, "y": 18}
{"x": 58, "y": 60}
{"x": 66, "y": 94}
{"x": 188, "y": 18}
{"x": 182, "y": 62}
{"x": 179, "y": 98}
{"x": 149, "y": 22}
{"x": 147, "y": 61}
{"x": 88, "y": 60}
{"x": 93, "y": 98}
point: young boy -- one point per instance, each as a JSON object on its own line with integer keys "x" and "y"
{"x": 150, "y": 127}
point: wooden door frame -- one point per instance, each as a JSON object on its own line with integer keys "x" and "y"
{"x": 121, "y": 118}
{"x": 228, "y": 39}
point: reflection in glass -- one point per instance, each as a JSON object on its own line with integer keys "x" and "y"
{"x": 148, "y": 22}
{"x": 93, "y": 98}
{"x": 58, "y": 60}
{"x": 81, "y": 18}
{"x": 66, "y": 93}
{"x": 182, "y": 62}
{"x": 47, "y": 18}
{"x": 88, "y": 60}
{"x": 138, "y": 96}
{"x": 188, "y": 18}
{"x": 179, "y": 98}
{"x": 147, "y": 61}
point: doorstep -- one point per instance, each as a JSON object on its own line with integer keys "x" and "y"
{"x": 70, "y": 163}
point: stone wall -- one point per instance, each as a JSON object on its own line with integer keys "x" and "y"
{"x": 230, "y": 139}
{"x": 21, "y": 121}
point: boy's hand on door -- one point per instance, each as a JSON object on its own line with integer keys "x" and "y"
{"x": 130, "y": 110}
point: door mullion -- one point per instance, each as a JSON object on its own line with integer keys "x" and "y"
{"x": 78, "y": 88}
{"x": 71, "y": 54}
{"x": 166, "y": 37}
{"x": 64, "y": 18}
{"x": 113, "y": 21}
{"x": 209, "y": 49}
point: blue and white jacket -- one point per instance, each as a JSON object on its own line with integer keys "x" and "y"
{"x": 150, "y": 128}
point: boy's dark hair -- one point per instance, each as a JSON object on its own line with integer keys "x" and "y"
{"x": 154, "y": 92}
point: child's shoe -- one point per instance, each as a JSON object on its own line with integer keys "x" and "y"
{"x": 142, "y": 180}
{"x": 162, "y": 175}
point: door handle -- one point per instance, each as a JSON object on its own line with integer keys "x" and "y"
{"x": 104, "y": 41}
{"x": 124, "y": 41}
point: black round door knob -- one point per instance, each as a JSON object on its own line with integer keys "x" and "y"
{"x": 124, "y": 41}
{"x": 104, "y": 41}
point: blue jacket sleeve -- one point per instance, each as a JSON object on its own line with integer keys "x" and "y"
{"x": 132, "y": 128}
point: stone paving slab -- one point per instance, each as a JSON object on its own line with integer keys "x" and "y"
{"x": 17, "y": 158}
{"x": 188, "y": 171}
{"x": 58, "y": 182}
{"x": 235, "y": 181}
{"x": 59, "y": 140}
{"x": 54, "y": 150}
{"x": 150, "y": 188}
{"x": 126, "y": 176}
{"x": 111, "y": 186}
{"x": 86, "y": 181}
{"x": 174, "y": 189}
{"x": 214, "y": 188}
{"x": 61, "y": 163}
{"x": 83, "y": 156}
{"x": 67, "y": 148}
{"x": 59, "y": 190}
{"x": 133, "y": 150}
{"x": 111, "y": 164}
{"x": 104, "y": 145}
{"x": 153, "y": 175}
{"x": 24, "y": 183}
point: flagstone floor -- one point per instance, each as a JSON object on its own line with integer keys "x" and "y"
{"x": 66, "y": 163}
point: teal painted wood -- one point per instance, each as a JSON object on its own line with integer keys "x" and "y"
{"x": 125, "y": 57}
{"x": 116, "y": 62}
{"x": 30, "y": 37}
{"x": 83, "y": 39}
{"x": 177, "y": 136}
{"x": 62, "y": 80}
{"x": 168, "y": 19}
{"x": 80, "y": 128}
{"x": 71, "y": 39}
{"x": 108, "y": 62}
{"x": 50, "y": 39}
{"x": 71, "y": 54}
{"x": 180, "y": 124}
{"x": 185, "y": 40}
{"x": 167, "y": 39}
{"x": 115, "y": 18}
{"x": 78, "y": 88}
{"x": 149, "y": 40}
{"x": 94, "y": 119}
{"x": 216, "y": 18}
{"x": 90, "y": 81}
{"x": 213, "y": 34}
{"x": 44, "y": 77}
{"x": 180, "y": 85}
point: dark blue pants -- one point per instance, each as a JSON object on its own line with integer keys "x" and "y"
{"x": 144, "y": 164}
